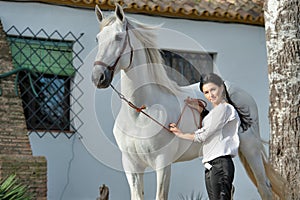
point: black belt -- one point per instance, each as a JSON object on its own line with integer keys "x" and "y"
{"x": 214, "y": 161}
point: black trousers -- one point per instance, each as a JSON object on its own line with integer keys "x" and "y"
{"x": 219, "y": 178}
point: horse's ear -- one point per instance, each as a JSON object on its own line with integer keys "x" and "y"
{"x": 119, "y": 13}
{"x": 98, "y": 13}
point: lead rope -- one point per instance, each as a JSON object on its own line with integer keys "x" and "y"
{"x": 140, "y": 110}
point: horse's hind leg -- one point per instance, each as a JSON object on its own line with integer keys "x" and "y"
{"x": 251, "y": 149}
{"x": 163, "y": 182}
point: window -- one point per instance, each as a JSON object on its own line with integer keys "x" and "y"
{"x": 51, "y": 60}
{"x": 187, "y": 67}
{"x": 43, "y": 56}
{"x": 50, "y": 110}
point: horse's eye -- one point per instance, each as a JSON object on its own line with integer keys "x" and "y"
{"x": 97, "y": 40}
{"x": 118, "y": 38}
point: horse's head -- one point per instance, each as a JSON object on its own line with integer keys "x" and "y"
{"x": 113, "y": 45}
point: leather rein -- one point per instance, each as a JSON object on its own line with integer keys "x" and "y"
{"x": 112, "y": 67}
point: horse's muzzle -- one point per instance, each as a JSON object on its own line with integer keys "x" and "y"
{"x": 101, "y": 79}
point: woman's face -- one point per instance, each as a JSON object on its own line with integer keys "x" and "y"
{"x": 213, "y": 93}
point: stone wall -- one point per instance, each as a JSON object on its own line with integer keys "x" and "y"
{"x": 15, "y": 151}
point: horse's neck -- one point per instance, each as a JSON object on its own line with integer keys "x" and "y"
{"x": 139, "y": 84}
{"x": 146, "y": 83}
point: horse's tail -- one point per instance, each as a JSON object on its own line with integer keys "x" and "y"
{"x": 278, "y": 183}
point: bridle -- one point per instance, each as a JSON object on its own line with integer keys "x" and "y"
{"x": 113, "y": 66}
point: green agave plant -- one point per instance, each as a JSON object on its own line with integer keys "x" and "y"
{"x": 10, "y": 189}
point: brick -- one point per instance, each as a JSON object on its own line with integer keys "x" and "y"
{"x": 15, "y": 151}
{"x": 31, "y": 170}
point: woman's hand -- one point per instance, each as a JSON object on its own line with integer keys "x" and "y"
{"x": 174, "y": 129}
{"x": 195, "y": 104}
{"x": 179, "y": 133}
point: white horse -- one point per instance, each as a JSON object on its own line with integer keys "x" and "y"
{"x": 129, "y": 47}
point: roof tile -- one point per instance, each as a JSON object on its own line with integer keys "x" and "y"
{"x": 235, "y": 11}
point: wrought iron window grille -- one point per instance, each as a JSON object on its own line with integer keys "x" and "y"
{"x": 48, "y": 87}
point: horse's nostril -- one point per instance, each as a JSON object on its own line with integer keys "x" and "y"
{"x": 101, "y": 78}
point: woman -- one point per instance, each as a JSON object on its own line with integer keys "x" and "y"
{"x": 219, "y": 135}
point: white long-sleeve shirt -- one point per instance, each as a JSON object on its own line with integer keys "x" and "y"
{"x": 219, "y": 133}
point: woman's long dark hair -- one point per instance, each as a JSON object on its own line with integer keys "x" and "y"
{"x": 245, "y": 118}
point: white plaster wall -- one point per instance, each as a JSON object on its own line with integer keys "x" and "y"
{"x": 78, "y": 166}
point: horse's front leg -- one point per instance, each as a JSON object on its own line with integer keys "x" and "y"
{"x": 135, "y": 177}
{"x": 163, "y": 182}
{"x": 136, "y": 184}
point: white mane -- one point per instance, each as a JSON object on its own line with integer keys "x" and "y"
{"x": 145, "y": 34}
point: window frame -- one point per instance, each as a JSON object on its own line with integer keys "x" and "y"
{"x": 193, "y": 66}
{"x": 49, "y": 69}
